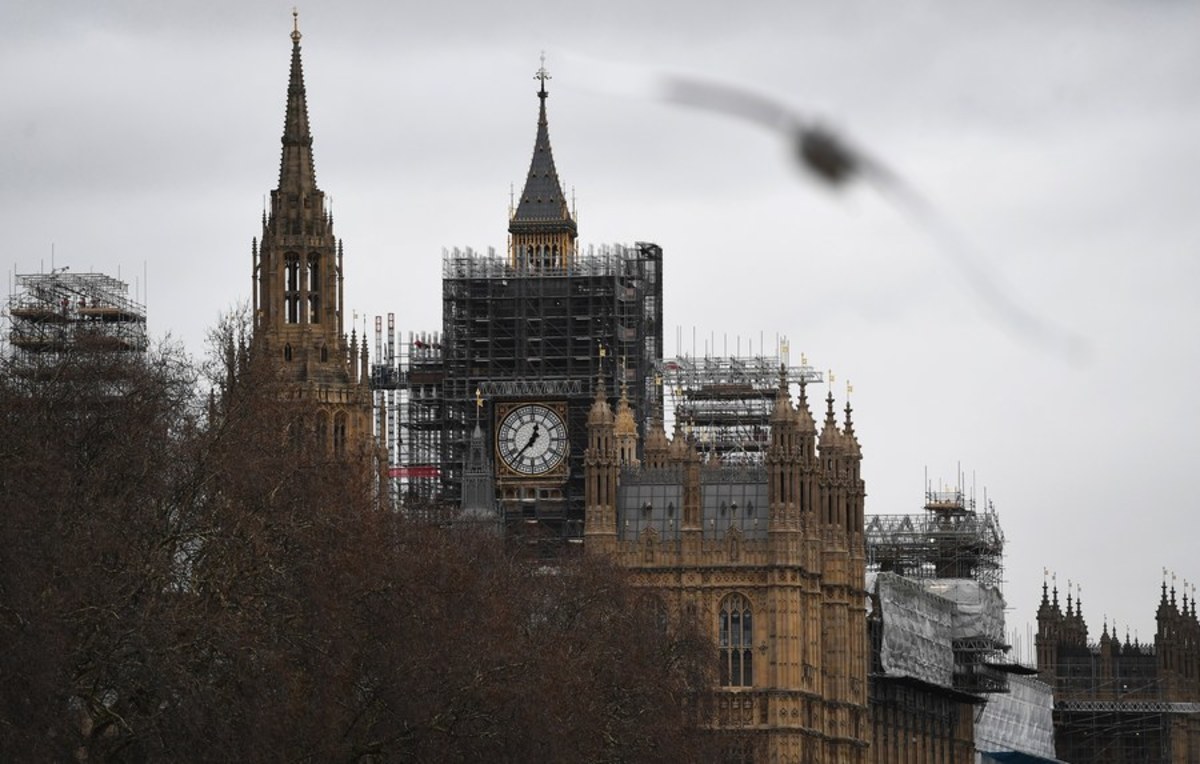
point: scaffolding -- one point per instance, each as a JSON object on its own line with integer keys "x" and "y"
{"x": 951, "y": 540}
{"x": 58, "y": 312}
{"x": 726, "y": 402}
{"x": 957, "y": 553}
{"x": 406, "y": 380}
{"x": 512, "y": 333}
{"x": 1128, "y": 702}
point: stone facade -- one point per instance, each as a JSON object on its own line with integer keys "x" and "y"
{"x": 768, "y": 557}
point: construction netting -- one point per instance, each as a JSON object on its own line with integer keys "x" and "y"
{"x": 978, "y": 608}
{"x": 1020, "y": 720}
{"x": 916, "y": 631}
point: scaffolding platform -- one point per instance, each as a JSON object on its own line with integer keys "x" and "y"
{"x": 726, "y": 402}
{"x": 59, "y": 312}
{"x": 951, "y": 540}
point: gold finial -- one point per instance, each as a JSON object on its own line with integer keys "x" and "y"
{"x": 832, "y": 379}
{"x": 603, "y": 352}
{"x": 849, "y": 387}
{"x": 542, "y": 74}
{"x": 295, "y": 25}
{"x": 657, "y": 379}
{"x": 804, "y": 359}
{"x": 478, "y": 398}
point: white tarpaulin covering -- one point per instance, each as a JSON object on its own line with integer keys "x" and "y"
{"x": 1019, "y": 720}
{"x": 978, "y": 611}
{"x": 916, "y": 630}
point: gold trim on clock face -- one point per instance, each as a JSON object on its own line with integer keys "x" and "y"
{"x": 532, "y": 439}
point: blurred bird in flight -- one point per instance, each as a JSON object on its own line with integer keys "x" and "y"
{"x": 836, "y": 163}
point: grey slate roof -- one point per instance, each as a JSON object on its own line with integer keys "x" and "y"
{"x": 542, "y": 199}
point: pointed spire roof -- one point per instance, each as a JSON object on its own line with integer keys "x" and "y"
{"x": 830, "y": 435}
{"x": 680, "y": 448}
{"x": 625, "y": 423}
{"x": 542, "y": 205}
{"x": 783, "y": 400}
{"x": 296, "y": 169}
{"x": 852, "y": 446}
{"x": 601, "y": 413}
{"x": 656, "y": 436}
{"x": 803, "y": 414}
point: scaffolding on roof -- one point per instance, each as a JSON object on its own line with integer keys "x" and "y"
{"x": 59, "y": 311}
{"x": 957, "y": 553}
{"x": 951, "y": 540}
{"x": 726, "y": 402}
{"x": 512, "y": 333}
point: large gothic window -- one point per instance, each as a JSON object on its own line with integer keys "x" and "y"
{"x": 291, "y": 294}
{"x": 736, "y": 642}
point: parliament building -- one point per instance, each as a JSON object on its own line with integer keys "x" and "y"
{"x": 541, "y": 408}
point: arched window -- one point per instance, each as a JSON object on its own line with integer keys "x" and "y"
{"x": 656, "y": 611}
{"x": 287, "y": 351}
{"x": 322, "y": 432}
{"x": 293, "y": 272}
{"x": 295, "y": 433}
{"x": 339, "y": 434}
{"x": 291, "y": 294}
{"x": 314, "y": 271}
{"x": 324, "y": 353}
{"x": 736, "y": 642}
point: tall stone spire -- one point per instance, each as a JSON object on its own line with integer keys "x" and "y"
{"x": 542, "y": 231}
{"x": 296, "y": 169}
{"x": 298, "y": 298}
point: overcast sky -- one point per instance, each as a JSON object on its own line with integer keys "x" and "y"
{"x": 1059, "y": 140}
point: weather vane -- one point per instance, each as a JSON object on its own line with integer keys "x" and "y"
{"x": 542, "y": 74}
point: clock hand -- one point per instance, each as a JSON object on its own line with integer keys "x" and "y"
{"x": 528, "y": 443}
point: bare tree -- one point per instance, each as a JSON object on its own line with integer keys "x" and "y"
{"x": 186, "y": 576}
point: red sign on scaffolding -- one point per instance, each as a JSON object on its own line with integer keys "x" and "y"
{"x": 423, "y": 471}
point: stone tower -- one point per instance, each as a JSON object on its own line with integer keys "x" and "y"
{"x": 298, "y": 295}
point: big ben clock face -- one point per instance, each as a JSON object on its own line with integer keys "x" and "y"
{"x": 532, "y": 439}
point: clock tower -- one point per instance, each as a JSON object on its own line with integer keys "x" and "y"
{"x": 531, "y": 330}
